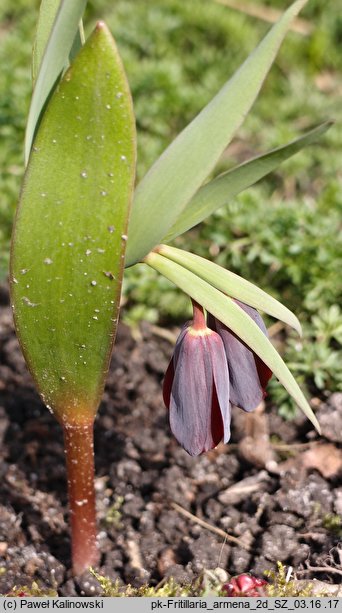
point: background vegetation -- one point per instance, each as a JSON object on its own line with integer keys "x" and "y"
{"x": 285, "y": 233}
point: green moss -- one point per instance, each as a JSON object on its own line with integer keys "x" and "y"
{"x": 333, "y": 523}
{"x": 167, "y": 588}
{"x": 209, "y": 583}
{"x": 113, "y": 515}
{"x": 280, "y": 586}
{"x": 34, "y": 590}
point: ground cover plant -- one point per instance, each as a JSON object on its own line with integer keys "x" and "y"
{"x": 161, "y": 259}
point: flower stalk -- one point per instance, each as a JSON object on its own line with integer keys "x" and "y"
{"x": 79, "y": 451}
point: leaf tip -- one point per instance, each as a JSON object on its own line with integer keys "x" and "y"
{"x": 316, "y": 424}
{"x": 297, "y": 326}
{"x": 100, "y": 25}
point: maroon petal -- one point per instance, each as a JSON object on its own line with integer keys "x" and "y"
{"x": 191, "y": 396}
{"x": 264, "y": 372}
{"x": 221, "y": 387}
{"x": 217, "y": 431}
{"x": 167, "y": 383}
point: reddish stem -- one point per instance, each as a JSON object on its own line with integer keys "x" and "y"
{"x": 199, "y": 321}
{"x": 79, "y": 449}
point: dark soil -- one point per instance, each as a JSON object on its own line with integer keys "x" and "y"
{"x": 283, "y": 505}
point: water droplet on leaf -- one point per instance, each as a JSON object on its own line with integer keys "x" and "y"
{"x": 28, "y": 302}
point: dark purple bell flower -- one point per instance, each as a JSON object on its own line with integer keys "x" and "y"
{"x": 248, "y": 375}
{"x": 196, "y": 388}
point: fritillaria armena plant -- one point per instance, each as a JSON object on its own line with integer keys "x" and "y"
{"x": 74, "y": 234}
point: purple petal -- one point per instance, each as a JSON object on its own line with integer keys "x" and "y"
{"x": 264, "y": 371}
{"x": 221, "y": 380}
{"x": 191, "y": 396}
{"x": 254, "y": 314}
{"x": 199, "y": 401}
{"x": 245, "y": 388}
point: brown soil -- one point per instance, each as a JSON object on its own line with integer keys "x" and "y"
{"x": 283, "y": 505}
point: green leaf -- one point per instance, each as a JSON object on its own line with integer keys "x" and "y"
{"x": 78, "y": 43}
{"x": 231, "y": 284}
{"x": 70, "y": 231}
{"x": 221, "y": 190}
{"x": 47, "y": 15}
{"x": 182, "y": 168}
{"x": 53, "y": 45}
{"x": 227, "y": 311}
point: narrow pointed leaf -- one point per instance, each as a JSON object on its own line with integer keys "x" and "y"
{"x": 227, "y": 311}
{"x": 221, "y": 190}
{"x": 231, "y": 284}
{"x": 47, "y": 14}
{"x": 78, "y": 43}
{"x": 182, "y": 168}
{"x": 70, "y": 231}
{"x": 54, "y": 59}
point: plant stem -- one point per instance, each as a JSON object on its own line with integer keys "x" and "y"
{"x": 79, "y": 449}
{"x": 199, "y": 321}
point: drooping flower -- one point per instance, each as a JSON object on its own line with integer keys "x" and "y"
{"x": 248, "y": 375}
{"x": 196, "y": 387}
{"x": 211, "y": 369}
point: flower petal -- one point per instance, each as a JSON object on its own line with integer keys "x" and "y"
{"x": 247, "y": 373}
{"x": 264, "y": 372}
{"x": 221, "y": 387}
{"x": 245, "y": 388}
{"x": 191, "y": 395}
{"x": 167, "y": 383}
{"x": 254, "y": 314}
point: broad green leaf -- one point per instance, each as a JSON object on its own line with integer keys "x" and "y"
{"x": 182, "y": 168}
{"x": 231, "y": 284}
{"x": 227, "y": 311}
{"x": 221, "y": 190}
{"x": 70, "y": 231}
{"x": 55, "y": 56}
